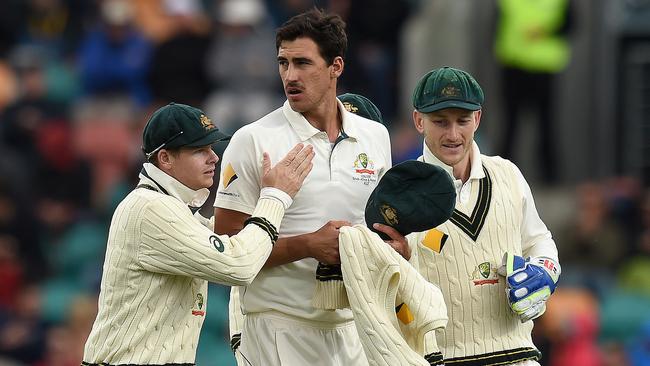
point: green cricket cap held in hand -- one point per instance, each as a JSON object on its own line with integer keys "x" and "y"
{"x": 412, "y": 196}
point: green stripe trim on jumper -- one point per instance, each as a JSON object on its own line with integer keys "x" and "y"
{"x": 497, "y": 358}
{"x": 472, "y": 225}
{"x": 329, "y": 272}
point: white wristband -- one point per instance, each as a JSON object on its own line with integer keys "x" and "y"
{"x": 276, "y": 194}
{"x": 551, "y": 266}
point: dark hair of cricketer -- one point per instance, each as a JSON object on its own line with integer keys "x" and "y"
{"x": 327, "y": 30}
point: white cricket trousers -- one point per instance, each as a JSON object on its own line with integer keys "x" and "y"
{"x": 526, "y": 363}
{"x": 275, "y": 339}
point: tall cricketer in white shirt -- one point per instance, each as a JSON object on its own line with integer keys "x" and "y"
{"x": 352, "y": 153}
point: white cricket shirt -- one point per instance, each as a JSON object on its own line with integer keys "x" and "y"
{"x": 337, "y": 188}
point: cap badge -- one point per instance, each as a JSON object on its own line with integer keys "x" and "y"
{"x": 206, "y": 122}
{"x": 350, "y": 108}
{"x": 389, "y": 214}
{"x": 450, "y": 91}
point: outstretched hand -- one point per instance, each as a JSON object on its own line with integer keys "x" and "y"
{"x": 290, "y": 172}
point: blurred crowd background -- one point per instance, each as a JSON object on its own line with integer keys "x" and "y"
{"x": 78, "y": 79}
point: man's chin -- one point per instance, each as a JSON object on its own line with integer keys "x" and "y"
{"x": 450, "y": 159}
{"x": 207, "y": 183}
{"x": 296, "y": 106}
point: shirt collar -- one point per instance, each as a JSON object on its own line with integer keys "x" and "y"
{"x": 305, "y": 130}
{"x": 476, "y": 169}
{"x": 165, "y": 183}
{"x": 350, "y": 128}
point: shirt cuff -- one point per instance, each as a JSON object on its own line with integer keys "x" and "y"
{"x": 270, "y": 209}
{"x": 272, "y": 192}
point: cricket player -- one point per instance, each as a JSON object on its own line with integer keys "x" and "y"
{"x": 281, "y": 327}
{"x": 354, "y": 103}
{"x": 494, "y": 260}
{"x": 160, "y": 256}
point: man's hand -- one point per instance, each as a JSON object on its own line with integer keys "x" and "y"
{"x": 289, "y": 174}
{"x": 397, "y": 240}
{"x": 323, "y": 244}
{"x": 529, "y": 283}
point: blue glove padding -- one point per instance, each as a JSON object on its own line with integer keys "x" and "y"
{"x": 530, "y": 282}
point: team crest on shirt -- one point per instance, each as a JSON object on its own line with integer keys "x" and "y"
{"x": 197, "y": 308}
{"x": 216, "y": 243}
{"x": 364, "y": 169}
{"x": 485, "y": 274}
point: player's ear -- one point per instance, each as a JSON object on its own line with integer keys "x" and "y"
{"x": 337, "y": 67}
{"x": 165, "y": 159}
{"x": 418, "y": 121}
{"x": 477, "y": 119}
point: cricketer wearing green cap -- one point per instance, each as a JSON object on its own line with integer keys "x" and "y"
{"x": 358, "y": 104}
{"x": 160, "y": 255}
{"x": 494, "y": 218}
{"x": 176, "y": 125}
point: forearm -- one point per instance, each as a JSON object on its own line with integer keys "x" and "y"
{"x": 179, "y": 245}
{"x": 542, "y": 248}
{"x": 289, "y": 249}
{"x": 536, "y": 239}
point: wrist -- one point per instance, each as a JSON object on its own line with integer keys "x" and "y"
{"x": 277, "y": 194}
{"x": 551, "y": 266}
{"x": 304, "y": 246}
{"x": 407, "y": 252}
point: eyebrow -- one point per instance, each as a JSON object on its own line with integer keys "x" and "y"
{"x": 295, "y": 59}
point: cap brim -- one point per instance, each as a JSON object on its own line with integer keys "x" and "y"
{"x": 450, "y": 104}
{"x": 212, "y": 137}
{"x": 220, "y": 146}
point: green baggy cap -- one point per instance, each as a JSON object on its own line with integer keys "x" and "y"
{"x": 411, "y": 197}
{"x": 358, "y": 104}
{"x": 447, "y": 88}
{"x": 179, "y": 125}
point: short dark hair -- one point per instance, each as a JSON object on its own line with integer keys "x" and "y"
{"x": 327, "y": 30}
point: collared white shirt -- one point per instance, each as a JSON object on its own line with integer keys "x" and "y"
{"x": 476, "y": 171}
{"x": 337, "y": 188}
